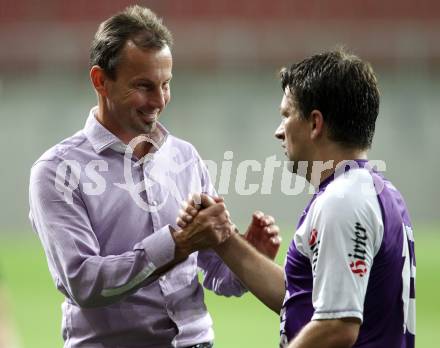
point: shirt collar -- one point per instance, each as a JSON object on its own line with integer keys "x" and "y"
{"x": 361, "y": 163}
{"x": 101, "y": 138}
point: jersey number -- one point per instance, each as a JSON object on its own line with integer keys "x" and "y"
{"x": 408, "y": 273}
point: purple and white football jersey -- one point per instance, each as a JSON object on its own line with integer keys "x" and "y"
{"x": 353, "y": 256}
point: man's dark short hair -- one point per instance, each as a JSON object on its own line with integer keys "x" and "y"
{"x": 135, "y": 23}
{"x": 343, "y": 88}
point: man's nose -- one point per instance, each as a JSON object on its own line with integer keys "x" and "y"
{"x": 158, "y": 99}
{"x": 279, "y": 132}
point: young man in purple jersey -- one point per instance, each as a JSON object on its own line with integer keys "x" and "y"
{"x": 349, "y": 275}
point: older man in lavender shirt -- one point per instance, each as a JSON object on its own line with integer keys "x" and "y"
{"x": 104, "y": 203}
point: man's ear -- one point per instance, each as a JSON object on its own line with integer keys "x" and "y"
{"x": 98, "y": 78}
{"x": 316, "y": 124}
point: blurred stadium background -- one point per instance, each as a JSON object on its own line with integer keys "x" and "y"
{"x": 225, "y": 97}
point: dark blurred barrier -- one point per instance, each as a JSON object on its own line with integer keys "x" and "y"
{"x": 239, "y": 33}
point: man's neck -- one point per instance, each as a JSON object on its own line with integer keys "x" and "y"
{"x": 327, "y": 163}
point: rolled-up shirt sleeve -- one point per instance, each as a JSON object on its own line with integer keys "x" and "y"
{"x": 73, "y": 251}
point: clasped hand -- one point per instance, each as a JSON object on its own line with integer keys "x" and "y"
{"x": 208, "y": 222}
{"x": 209, "y": 226}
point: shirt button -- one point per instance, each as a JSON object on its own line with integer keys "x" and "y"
{"x": 154, "y": 203}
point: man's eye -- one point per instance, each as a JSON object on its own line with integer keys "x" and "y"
{"x": 144, "y": 86}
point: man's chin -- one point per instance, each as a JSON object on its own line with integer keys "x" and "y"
{"x": 147, "y": 128}
{"x": 151, "y": 127}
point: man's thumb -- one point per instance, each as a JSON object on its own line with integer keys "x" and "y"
{"x": 206, "y": 201}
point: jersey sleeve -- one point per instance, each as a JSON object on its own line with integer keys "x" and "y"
{"x": 344, "y": 233}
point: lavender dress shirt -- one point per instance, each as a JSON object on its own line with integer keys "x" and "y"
{"x": 103, "y": 219}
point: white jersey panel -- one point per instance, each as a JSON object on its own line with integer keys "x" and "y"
{"x": 341, "y": 235}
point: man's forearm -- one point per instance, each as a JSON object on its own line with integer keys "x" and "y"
{"x": 332, "y": 333}
{"x": 263, "y": 277}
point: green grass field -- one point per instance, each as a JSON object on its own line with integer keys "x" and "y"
{"x": 238, "y": 322}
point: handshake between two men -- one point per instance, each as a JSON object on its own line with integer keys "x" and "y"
{"x": 205, "y": 222}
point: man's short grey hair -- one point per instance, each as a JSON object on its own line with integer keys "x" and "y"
{"x": 137, "y": 24}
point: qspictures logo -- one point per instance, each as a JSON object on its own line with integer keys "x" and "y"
{"x": 162, "y": 171}
{"x": 357, "y": 257}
